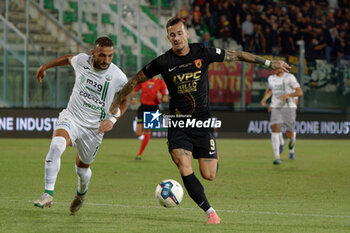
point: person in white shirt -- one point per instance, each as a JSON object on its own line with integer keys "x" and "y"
{"x": 281, "y": 139}
{"x": 283, "y": 87}
{"x": 85, "y": 120}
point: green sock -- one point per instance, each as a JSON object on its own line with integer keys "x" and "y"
{"x": 82, "y": 194}
{"x": 50, "y": 192}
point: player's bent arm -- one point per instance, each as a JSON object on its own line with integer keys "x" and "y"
{"x": 165, "y": 98}
{"x": 297, "y": 92}
{"x": 267, "y": 95}
{"x": 140, "y": 77}
{"x": 59, "y": 61}
{"x": 252, "y": 58}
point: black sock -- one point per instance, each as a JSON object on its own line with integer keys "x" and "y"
{"x": 196, "y": 191}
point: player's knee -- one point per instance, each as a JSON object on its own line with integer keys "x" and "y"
{"x": 210, "y": 176}
{"x": 57, "y": 146}
{"x": 138, "y": 134}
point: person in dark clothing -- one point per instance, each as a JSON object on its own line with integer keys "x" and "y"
{"x": 184, "y": 69}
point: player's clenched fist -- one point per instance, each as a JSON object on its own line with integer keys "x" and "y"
{"x": 105, "y": 126}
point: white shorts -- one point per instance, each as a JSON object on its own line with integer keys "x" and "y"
{"x": 85, "y": 140}
{"x": 285, "y": 116}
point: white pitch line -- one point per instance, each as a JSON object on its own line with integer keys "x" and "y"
{"x": 194, "y": 209}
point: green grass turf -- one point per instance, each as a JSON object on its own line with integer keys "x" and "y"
{"x": 308, "y": 194}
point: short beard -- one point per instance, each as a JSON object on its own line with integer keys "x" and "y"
{"x": 97, "y": 66}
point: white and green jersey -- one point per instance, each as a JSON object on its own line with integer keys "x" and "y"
{"x": 285, "y": 84}
{"x": 93, "y": 91}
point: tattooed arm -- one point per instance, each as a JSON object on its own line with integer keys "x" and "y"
{"x": 252, "y": 58}
{"x": 129, "y": 86}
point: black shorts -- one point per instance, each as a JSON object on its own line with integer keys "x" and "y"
{"x": 201, "y": 142}
{"x": 145, "y": 108}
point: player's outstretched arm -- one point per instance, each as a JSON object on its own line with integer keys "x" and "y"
{"x": 267, "y": 95}
{"x": 124, "y": 106}
{"x": 140, "y": 77}
{"x": 60, "y": 61}
{"x": 252, "y": 58}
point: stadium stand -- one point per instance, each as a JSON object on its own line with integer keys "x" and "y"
{"x": 71, "y": 26}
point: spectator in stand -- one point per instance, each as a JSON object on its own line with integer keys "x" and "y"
{"x": 293, "y": 12}
{"x": 240, "y": 18}
{"x": 259, "y": 40}
{"x": 317, "y": 46}
{"x": 183, "y": 13}
{"x": 206, "y": 40}
{"x": 247, "y": 33}
{"x": 269, "y": 11}
{"x": 330, "y": 17}
{"x": 273, "y": 39}
{"x": 230, "y": 9}
{"x": 211, "y": 14}
{"x": 343, "y": 4}
{"x": 303, "y": 18}
{"x": 224, "y": 29}
{"x": 285, "y": 40}
{"x": 342, "y": 46}
{"x": 268, "y": 36}
{"x": 283, "y": 16}
{"x": 330, "y": 39}
{"x": 197, "y": 17}
{"x": 307, "y": 35}
{"x": 296, "y": 36}
{"x": 339, "y": 17}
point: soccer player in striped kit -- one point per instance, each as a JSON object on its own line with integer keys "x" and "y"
{"x": 283, "y": 87}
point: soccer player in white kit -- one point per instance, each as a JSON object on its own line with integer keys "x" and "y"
{"x": 283, "y": 87}
{"x": 85, "y": 120}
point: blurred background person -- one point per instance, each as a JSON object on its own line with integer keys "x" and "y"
{"x": 153, "y": 92}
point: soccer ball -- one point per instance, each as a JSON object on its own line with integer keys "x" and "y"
{"x": 169, "y": 193}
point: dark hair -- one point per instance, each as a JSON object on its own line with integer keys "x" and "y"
{"x": 173, "y": 21}
{"x": 104, "y": 41}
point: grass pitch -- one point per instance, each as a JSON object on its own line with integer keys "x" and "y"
{"x": 307, "y": 194}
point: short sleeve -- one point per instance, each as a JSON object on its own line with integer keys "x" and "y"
{"x": 138, "y": 87}
{"x": 268, "y": 82}
{"x": 153, "y": 68}
{"x": 293, "y": 81}
{"x": 74, "y": 61}
{"x": 163, "y": 89}
{"x": 215, "y": 54}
